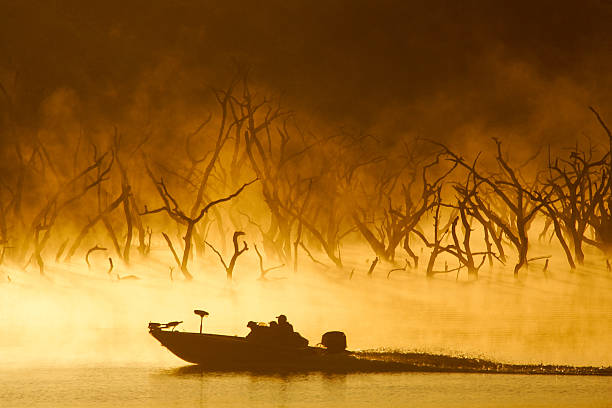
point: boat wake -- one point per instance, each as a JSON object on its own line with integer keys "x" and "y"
{"x": 380, "y": 361}
{"x": 426, "y": 362}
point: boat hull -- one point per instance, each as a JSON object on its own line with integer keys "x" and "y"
{"x": 233, "y": 352}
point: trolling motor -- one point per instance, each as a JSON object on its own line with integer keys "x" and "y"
{"x": 202, "y": 314}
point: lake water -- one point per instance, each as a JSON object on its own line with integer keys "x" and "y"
{"x": 149, "y": 386}
{"x": 81, "y": 341}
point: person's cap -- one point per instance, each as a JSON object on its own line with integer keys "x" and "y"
{"x": 280, "y": 316}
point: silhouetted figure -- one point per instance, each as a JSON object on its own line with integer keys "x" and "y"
{"x": 275, "y": 334}
{"x": 254, "y": 332}
{"x": 260, "y": 333}
{"x": 286, "y": 335}
{"x": 284, "y": 327}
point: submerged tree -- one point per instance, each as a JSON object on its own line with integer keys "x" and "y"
{"x": 319, "y": 190}
{"x": 505, "y": 200}
{"x": 171, "y": 207}
{"x": 229, "y": 267}
{"x": 394, "y": 224}
{"x": 461, "y": 248}
{"x": 578, "y": 186}
{"x": 67, "y": 193}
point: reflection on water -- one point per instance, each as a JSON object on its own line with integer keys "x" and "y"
{"x": 193, "y": 387}
{"x": 379, "y": 361}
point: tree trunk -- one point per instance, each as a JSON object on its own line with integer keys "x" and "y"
{"x": 522, "y": 261}
{"x": 559, "y": 234}
{"x": 128, "y": 221}
{"x": 432, "y": 260}
{"x": 577, "y": 241}
{"x": 187, "y": 250}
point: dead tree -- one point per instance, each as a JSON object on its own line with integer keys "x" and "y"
{"x": 312, "y": 258}
{"x": 101, "y": 216}
{"x": 229, "y": 268}
{"x": 329, "y": 238}
{"x": 324, "y": 218}
{"x": 90, "y": 251}
{"x": 517, "y": 208}
{"x": 377, "y": 216}
{"x": 440, "y": 233}
{"x": 602, "y": 219}
{"x": 172, "y": 250}
{"x": 383, "y": 232}
{"x": 397, "y": 223}
{"x": 405, "y": 268}
{"x": 578, "y": 186}
{"x": 264, "y": 271}
{"x": 38, "y": 248}
{"x": 172, "y": 208}
{"x": 271, "y": 150}
{"x": 24, "y": 166}
{"x": 276, "y": 156}
{"x": 129, "y": 209}
{"x": 372, "y": 267}
{"x": 462, "y": 248}
{"x": 206, "y": 172}
{"x": 468, "y": 207}
{"x": 66, "y": 194}
{"x": 61, "y": 250}
{"x": 601, "y": 223}
{"x": 493, "y": 234}
{"x": 5, "y": 205}
{"x": 300, "y": 228}
{"x": 608, "y": 133}
{"x": 228, "y": 121}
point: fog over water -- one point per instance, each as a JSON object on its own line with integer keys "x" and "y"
{"x": 322, "y": 128}
{"x": 82, "y": 316}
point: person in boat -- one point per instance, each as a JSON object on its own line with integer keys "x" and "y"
{"x": 284, "y": 328}
{"x": 262, "y": 333}
{"x": 255, "y": 333}
{"x": 275, "y": 334}
{"x": 286, "y": 335}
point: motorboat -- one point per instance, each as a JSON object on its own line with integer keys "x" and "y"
{"x": 263, "y": 348}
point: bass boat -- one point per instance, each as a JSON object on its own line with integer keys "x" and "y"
{"x": 265, "y": 347}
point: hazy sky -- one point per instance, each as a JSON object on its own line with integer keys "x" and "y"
{"x": 435, "y": 67}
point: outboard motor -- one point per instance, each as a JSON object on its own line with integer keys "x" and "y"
{"x": 334, "y": 341}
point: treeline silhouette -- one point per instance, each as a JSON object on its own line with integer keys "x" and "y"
{"x": 250, "y": 174}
